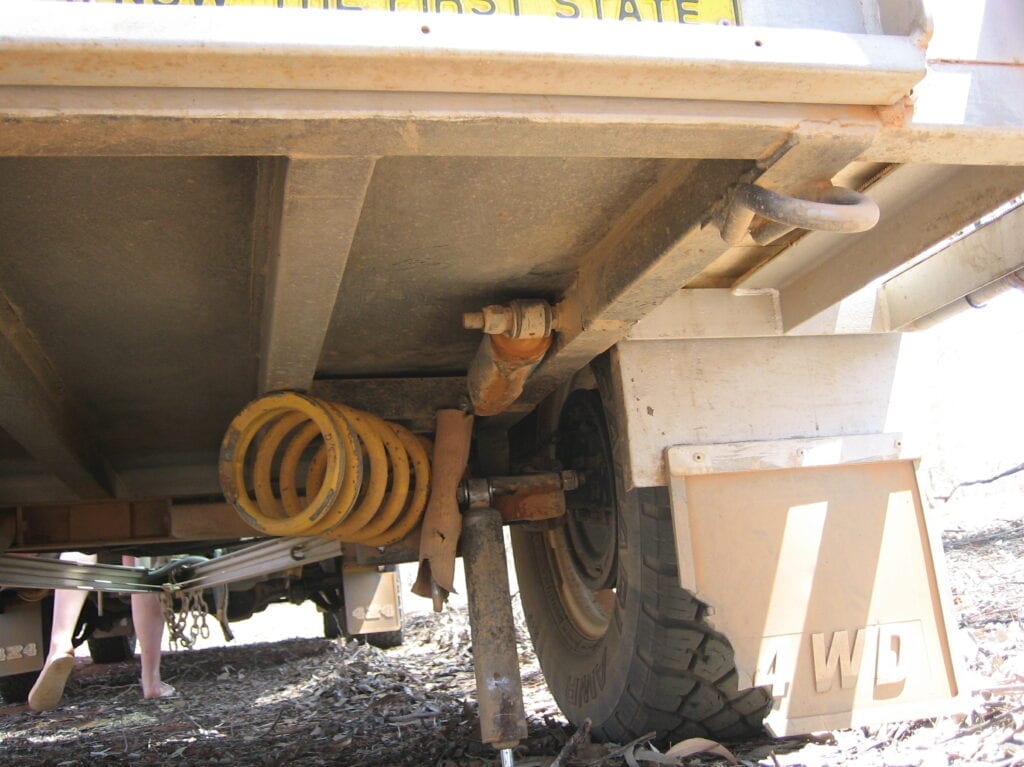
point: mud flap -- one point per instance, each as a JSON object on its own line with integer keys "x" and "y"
{"x": 816, "y": 561}
{"x": 371, "y": 600}
{"x": 21, "y": 638}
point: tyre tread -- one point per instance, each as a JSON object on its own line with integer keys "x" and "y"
{"x": 677, "y": 677}
{"x": 697, "y": 684}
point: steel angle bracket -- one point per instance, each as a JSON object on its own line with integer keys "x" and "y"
{"x": 28, "y": 572}
{"x": 251, "y": 561}
{"x": 259, "y": 559}
{"x": 816, "y": 560}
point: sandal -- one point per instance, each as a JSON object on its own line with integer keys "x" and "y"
{"x": 49, "y": 687}
{"x": 166, "y": 691}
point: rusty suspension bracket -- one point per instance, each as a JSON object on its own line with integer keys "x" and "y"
{"x": 526, "y": 498}
{"x": 516, "y": 338}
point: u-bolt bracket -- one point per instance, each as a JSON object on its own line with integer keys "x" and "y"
{"x": 837, "y": 210}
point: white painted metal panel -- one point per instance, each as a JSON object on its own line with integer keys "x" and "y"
{"x": 263, "y": 48}
{"x": 984, "y": 256}
{"x": 990, "y": 32}
{"x": 749, "y": 389}
{"x": 722, "y": 313}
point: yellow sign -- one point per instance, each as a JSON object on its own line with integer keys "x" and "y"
{"x": 666, "y": 11}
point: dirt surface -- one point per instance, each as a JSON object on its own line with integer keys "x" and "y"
{"x": 321, "y": 702}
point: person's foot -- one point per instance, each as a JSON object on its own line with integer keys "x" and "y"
{"x": 160, "y": 690}
{"x": 49, "y": 687}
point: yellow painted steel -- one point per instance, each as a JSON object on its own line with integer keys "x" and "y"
{"x": 292, "y": 464}
{"x": 664, "y": 11}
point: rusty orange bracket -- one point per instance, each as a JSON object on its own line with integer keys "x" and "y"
{"x": 500, "y": 369}
{"x": 442, "y": 521}
{"x": 531, "y": 504}
{"x": 516, "y": 338}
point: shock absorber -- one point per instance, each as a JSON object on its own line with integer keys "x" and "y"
{"x": 499, "y": 687}
{"x": 292, "y": 464}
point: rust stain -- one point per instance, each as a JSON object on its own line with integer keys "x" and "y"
{"x": 898, "y": 114}
{"x": 531, "y": 506}
{"x": 500, "y": 371}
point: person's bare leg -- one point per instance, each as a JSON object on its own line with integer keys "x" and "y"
{"x": 148, "y": 619}
{"x": 67, "y": 605}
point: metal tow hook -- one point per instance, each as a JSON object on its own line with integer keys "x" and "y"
{"x": 499, "y": 688}
{"x": 837, "y": 210}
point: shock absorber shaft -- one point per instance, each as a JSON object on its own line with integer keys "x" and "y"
{"x": 499, "y": 688}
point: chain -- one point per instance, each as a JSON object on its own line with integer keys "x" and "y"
{"x": 188, "y": 624}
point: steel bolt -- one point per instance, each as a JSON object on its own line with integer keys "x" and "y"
{"x": 492, "y": 320}
{"x": 571, "y": 480}
{"x": 521, "y": 319}
{"x": 473, "y": 320}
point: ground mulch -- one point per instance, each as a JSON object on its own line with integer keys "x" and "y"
{"x": 333, "y": 702}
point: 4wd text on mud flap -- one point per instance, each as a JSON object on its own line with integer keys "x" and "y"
{"x": 891, "y": 651}
{"x": 18, "y": 651}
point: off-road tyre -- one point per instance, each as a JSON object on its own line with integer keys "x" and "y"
{"x": 657, "y": 666}
{"x": 333, "y": 629}
{"x": 332, "y": 624}
{"x": 15, "y": 688}
{"x": 116, "y": 649}
{"x": 384, "y": 639}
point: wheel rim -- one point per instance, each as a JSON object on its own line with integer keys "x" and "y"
{"x": 583, "y": 552}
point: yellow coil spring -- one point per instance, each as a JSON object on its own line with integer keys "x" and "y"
{"x": 366, "y": 480}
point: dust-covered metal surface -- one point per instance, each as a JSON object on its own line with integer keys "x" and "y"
{"x": 135, "y": 279}
{"x": 499, "y": 689}
{"x": 442, "y": 236}
{"x": 267, "y": 48}
{"x": 177, "y": 239}
{"x": 442, "y": 523}
{"x": 80, "y": 526}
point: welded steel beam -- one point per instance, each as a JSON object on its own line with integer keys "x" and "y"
{"x": 36, "y": 411}
{"x": 384, "y": 124}
{"x": 252, "y": 561}
{"x": 414, "y": 402}
{"x": 985, "y": 256}
{"x": 967, "y": 109}
{"x": 320, "y": 204}
{"x": 667, "y": 238}
{"x": 921, "y": 206}
{"x": 87, "y": 525}
{"x": 260, "y": 48}
{"x": 962, "y": 111}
